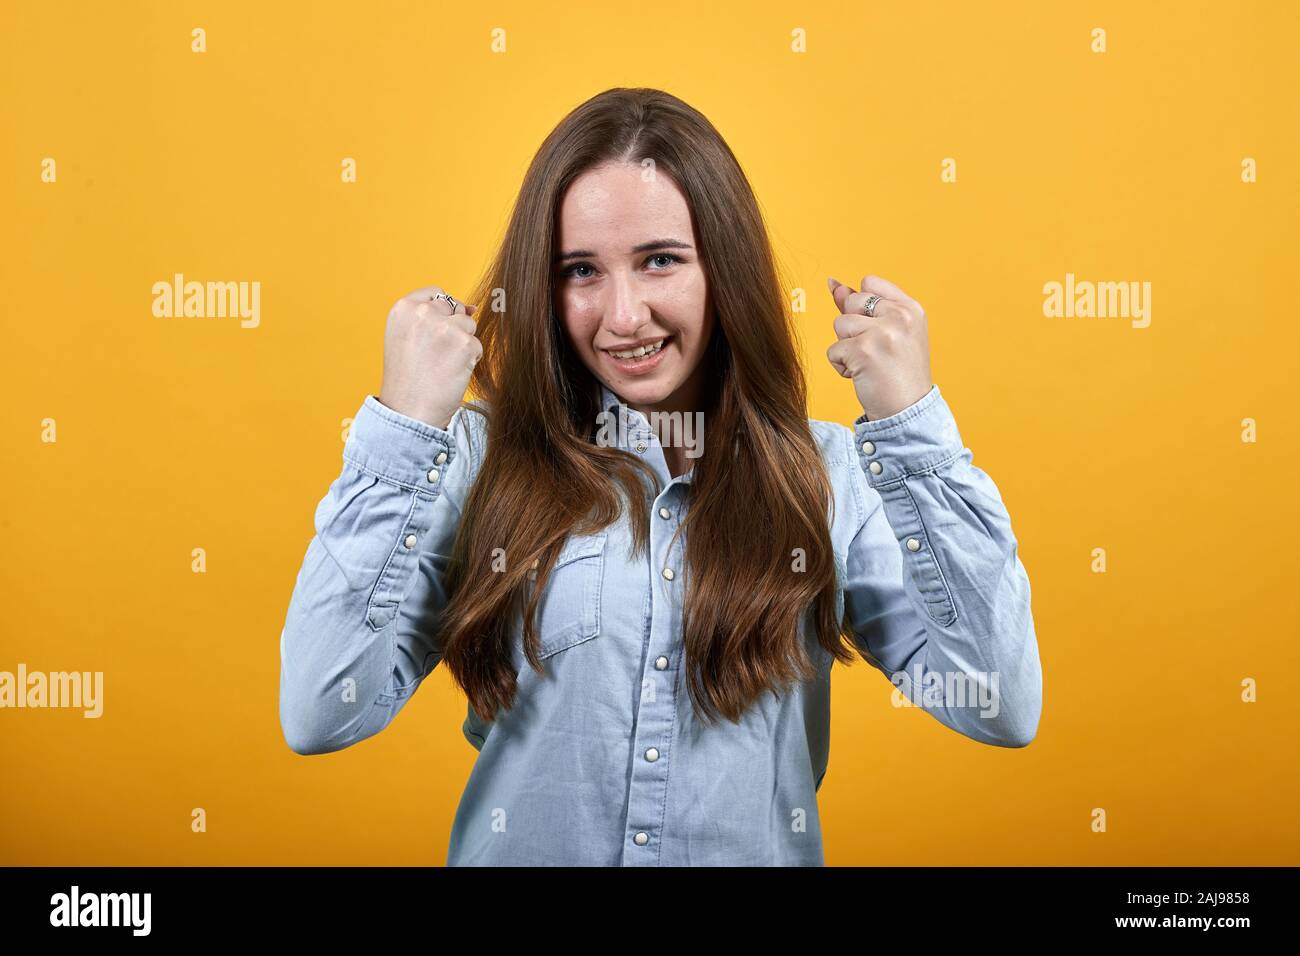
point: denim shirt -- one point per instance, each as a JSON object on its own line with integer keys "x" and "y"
{"x": 603, "y": 761}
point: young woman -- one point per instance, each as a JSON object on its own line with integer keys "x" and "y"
{"x": 643, "y": 613}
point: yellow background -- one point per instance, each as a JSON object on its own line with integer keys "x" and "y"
{"x": 182, "y": 433}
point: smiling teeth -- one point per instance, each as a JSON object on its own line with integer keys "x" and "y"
{"x": 638, "y": 352}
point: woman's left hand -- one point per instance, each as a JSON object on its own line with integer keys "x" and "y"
{"x": 887, "y": 354}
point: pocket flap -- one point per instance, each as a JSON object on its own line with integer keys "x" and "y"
{"x": 581, "y": 546}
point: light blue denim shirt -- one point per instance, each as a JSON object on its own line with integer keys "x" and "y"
{"x": 604, "y": 762}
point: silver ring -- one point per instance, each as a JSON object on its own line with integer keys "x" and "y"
{"x": 870, "y": 307}
{"x": 442, "y": 295}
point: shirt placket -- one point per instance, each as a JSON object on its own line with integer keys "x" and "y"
{"x": 653, "y": 735}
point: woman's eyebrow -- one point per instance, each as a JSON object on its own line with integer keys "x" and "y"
{"x": 642, "y": 247}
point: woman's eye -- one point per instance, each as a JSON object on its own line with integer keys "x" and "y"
{"x": 672, "y": 259}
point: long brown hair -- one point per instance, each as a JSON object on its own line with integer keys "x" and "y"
{"x": 759, "y": 496}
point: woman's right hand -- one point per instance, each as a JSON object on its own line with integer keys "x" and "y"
{"x": 429, "y": 352}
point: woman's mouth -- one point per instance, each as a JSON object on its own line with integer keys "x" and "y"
{"x": 640, "y": 360}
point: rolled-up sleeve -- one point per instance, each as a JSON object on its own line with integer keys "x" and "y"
{"x": 936, "y": 594}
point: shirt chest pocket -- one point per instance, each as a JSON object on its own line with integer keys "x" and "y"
{"x": 568, "y": 612}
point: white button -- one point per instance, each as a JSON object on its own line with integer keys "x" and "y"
{"x": 652, "y": 755}
{"x": 661, "y": 663}
{"x": 668, "y": 573}
{"x": 875, "y": 468}
{"x": 665, "y": 513}
{"x": 442, "y": 457}
{"x": 433, "y": 474}
{"x": 642, "y": 838}
{"x": 913, "y": 544}
{"x": 640, "y": 446}
{"x": 868, "y": 447}
{"x": 410, "y": 541}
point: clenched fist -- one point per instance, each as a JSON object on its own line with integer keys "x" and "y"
{"x": 429, "y": 351}
{"x": 887, "y": 353}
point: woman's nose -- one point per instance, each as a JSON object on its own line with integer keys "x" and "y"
{"x": 626, "y": 309}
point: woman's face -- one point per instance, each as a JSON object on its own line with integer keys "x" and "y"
{"x": 628, "y": 274}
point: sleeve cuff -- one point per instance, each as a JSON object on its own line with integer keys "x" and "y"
{"x": 917, "y": 439}
{"x": 401, "y": 449}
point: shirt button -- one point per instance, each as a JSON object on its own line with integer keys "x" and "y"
{"x": 661, "y": 663}
{"x": 442, "y": 457}
{"x": 875, "y": 468}
{"x": 868, "y": 447}
{"x": 433, "y": 474}
{"x": 913, "y": 544}
{"x": 668, "y": 573}
{"x": 652, "y": 755}
{"x": 665, "y": 513}
{"x": 409, "y": 541}
{"x": 642, "y": 838}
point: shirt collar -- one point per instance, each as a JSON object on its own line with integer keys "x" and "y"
{"x": 633, "y": 427}
{"x": 608, "y": 400}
